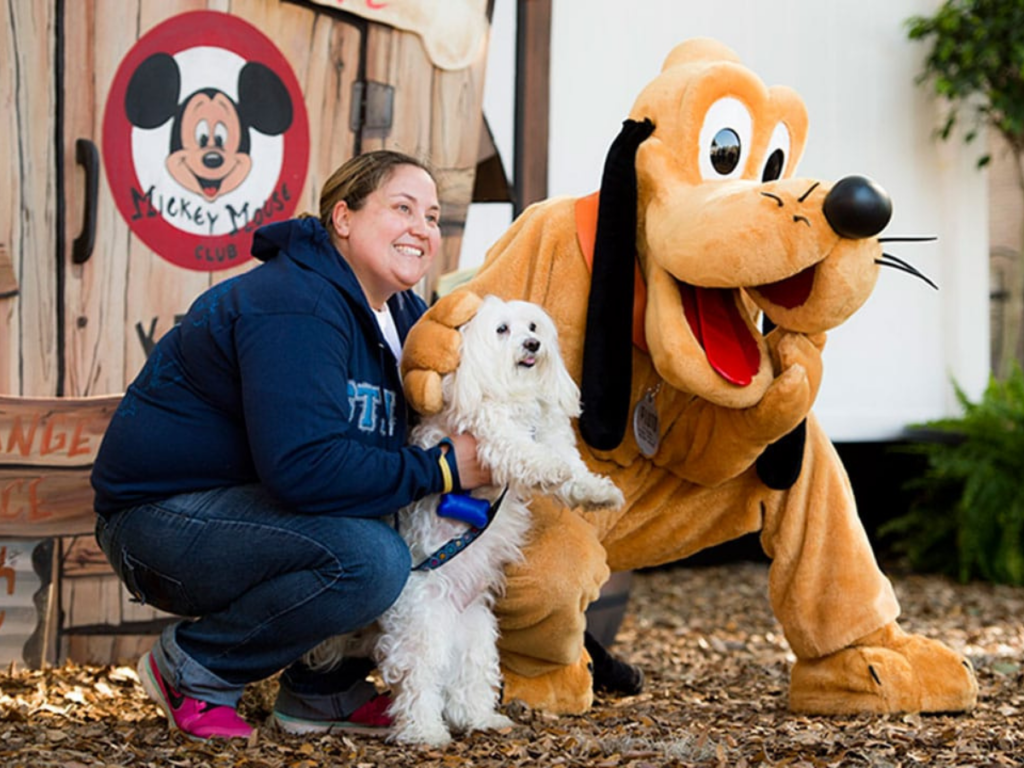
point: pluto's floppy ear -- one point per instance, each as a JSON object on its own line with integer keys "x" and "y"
{"x": 606, "y": 383}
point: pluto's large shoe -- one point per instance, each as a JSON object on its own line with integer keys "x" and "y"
{"x": 888, "y": 671}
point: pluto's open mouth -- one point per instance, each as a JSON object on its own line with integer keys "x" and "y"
{"x": 720, "y": 330}
{"x": 792, "y": 291}
{"x": 715, "y": 320}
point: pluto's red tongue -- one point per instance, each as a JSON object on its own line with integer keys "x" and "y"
{"x": 720, "y": 330}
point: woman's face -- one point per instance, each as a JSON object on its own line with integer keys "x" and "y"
{"x": 392, "y": 240}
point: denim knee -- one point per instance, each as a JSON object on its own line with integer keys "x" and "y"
{"x": 377, "y": 577}
{"x": 387, "y": 573}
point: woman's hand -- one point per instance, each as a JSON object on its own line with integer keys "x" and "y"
{"x": 472, "y": 474}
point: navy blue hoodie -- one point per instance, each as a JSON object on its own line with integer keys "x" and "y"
{"x": 279, "y": 376}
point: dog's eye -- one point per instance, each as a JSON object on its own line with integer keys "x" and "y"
{"x": 502, "y": 329}
{"x": 533, "y": 327}
{"x": 778, "y": 152}
{"x": 725, "y": 139}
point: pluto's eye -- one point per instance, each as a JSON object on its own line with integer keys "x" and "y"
{"x": 502, "y": 329}
{"x": 533, "y": 327}
{"x": 725, "y": 140}
{"x": 777, "y": 154}
{"x": 773, "y": 168}
{"x": 725, "y": 151}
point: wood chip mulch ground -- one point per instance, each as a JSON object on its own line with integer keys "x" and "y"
{"x": 716, "y": 666}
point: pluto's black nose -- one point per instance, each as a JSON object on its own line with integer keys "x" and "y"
{"x": 856, "y": 207}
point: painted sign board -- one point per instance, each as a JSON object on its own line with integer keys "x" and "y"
{"x": 205, "y": 139}
{"x": 47, "y": 448}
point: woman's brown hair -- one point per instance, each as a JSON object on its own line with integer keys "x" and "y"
{"x": 359, "y": 177}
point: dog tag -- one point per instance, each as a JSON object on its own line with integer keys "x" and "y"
{"x": 645, "y": 424}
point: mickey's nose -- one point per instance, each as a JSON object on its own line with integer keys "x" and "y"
{"x": 856, "y": 208}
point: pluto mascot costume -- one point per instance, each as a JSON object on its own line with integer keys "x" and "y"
{"x": 658, "y": 284}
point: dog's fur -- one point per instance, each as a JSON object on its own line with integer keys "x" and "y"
{"x": 437, "y": 644}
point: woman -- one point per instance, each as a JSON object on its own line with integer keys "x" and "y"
{"x": 243, "y": 479}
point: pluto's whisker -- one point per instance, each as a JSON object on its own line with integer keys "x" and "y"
{"x": 923, "y": 239}
{"x": 898, "y": 263}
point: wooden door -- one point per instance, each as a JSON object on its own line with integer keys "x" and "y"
{"x": 28, "y": 203}
{"x": 163, "y": 226}
{"x": 436, "y": 114}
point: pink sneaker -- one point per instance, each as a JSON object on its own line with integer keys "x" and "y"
{"x": 192, "y": 717}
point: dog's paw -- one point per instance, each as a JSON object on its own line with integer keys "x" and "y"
{"x": 591, "y": 492}
{"x": 492, "y": 721}
{"x": 539, "y": 472}
{"x": 423, "y": 734}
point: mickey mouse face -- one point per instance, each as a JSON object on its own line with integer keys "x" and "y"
{"x": 211, "y": 159}
{"x": 210, "y": 136}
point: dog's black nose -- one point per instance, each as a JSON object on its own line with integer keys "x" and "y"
{"x": 532, "y": 345}
{"x": 213, "y": 160}
{"x": 856, "y": 207}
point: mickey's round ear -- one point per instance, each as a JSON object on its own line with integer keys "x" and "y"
{"x": 152, "y": 95}
{"x": 608, "y": 344}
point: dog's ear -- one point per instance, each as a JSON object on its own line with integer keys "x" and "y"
{"x": 608, "y": 344}
{"x": 558, "y": 385}
{"x": 463, "y": 387}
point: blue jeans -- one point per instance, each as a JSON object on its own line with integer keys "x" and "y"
{"x": 263, "y": 584}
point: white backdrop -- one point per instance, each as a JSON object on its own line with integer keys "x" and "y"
{"x": 892, "y": 363}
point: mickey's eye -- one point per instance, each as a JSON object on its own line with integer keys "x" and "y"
{"x": 220, "y": 135}
{"x": 202, "y": 133}
{"x": 502, "y": 329}
{"x": 725, "y": 139}
{"x": 777, "y": 154}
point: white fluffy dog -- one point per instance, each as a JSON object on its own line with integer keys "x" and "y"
{"x": 437, "y": 648}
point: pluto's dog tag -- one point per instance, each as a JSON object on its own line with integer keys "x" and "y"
{"x": 645, "y": 424}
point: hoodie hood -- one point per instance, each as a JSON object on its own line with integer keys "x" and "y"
{"x": 306, "y": 242}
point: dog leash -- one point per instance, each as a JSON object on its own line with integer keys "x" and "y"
{"x": 454, "y": 546}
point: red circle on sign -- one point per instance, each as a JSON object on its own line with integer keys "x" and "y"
{"x": 203, "y": 228}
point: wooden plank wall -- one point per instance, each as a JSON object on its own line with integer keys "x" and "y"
{"x": 125, "y": 292}
{"x": 437, "y": 115}
{"x": 28, "y": 205}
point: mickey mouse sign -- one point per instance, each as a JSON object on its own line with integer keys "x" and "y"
{"x": 205, "y": 138}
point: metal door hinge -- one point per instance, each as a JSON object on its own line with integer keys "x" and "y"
{"x": 372, "y": 107}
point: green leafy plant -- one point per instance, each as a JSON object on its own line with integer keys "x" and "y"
{"x": 968, "y": 517}
{"x": 976, "y": 65}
